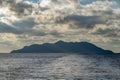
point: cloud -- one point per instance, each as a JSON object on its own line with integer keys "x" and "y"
{"x": 8, "y": 37}
{"x": 17, "y": 6}
{"x": 106, "y": 31}
{"x": 5, "y": 28}
{"x": 83, "y": 21}
{"x": 24, "y": 24}
{"x": 30, "y": 21}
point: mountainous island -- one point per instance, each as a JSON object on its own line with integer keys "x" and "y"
{"x": 63, "y": 47}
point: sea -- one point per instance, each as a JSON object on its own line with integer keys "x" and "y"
{"x": 59, "y": 66}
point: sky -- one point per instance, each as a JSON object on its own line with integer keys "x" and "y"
{"x": 27, "y": 22}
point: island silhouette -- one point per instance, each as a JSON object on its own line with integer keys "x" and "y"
{"x": 63, "y": 47}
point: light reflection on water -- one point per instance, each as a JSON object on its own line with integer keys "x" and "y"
{"x": 58, "y": 67}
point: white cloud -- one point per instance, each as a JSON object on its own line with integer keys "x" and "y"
{"x": 8, "y": 37}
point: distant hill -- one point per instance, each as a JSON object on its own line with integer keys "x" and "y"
{"x": 63, "y": 47}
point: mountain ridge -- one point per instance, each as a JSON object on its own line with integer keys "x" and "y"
{"x": 62, "y": 47}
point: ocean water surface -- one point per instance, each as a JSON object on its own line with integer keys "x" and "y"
{"x": 59, "y": 67}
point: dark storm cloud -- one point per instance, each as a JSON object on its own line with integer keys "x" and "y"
{"x": 111, "y": 29}
{"x": 5, "y": 28}
{"x": 18, "y": 7}
{"x": 21, "y": 27}
{"x": 56, "y": 34}
{"x": 85, "y": 2}
{"x": 25, "y": 23}
{"x": 83, "y": 21}
{"x": 108, "y": 32}
{"x": 38, "y": 33}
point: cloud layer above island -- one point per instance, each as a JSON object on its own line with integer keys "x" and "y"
{"x": 26, "y": 22}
